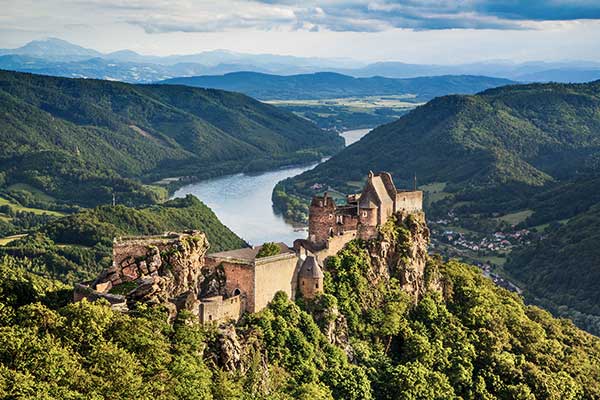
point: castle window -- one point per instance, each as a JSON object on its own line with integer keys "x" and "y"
{"x": 317, "y": 285}
{"x": 237, "y": 292}
{"x": 330, "y": 216}
{"x": 210, "y": 317}
{"x": 339, "y": 219}
{"x": 364, "y": 213}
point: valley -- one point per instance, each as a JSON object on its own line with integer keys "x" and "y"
{"x": 504, "y": 172}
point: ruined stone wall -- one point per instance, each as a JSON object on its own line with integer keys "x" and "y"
{"x": 321, "y": 219}
{"x": 350, "y": 222}
{"x": 334, "y": 245}
{"x": 367, "y": 229}
{"x": 216, "y": 309}
{"x": 274, "y": 274}
{"x": 409, "y": 201}
{"x": 163, "y": 270}
{"x": 386, "y": 210}
{"x": 240, "y": 276}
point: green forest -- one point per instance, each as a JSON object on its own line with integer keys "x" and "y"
{"x": 465, "y": 338}
{"x": 81, "y": 141}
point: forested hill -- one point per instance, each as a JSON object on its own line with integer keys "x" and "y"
{"x": 525, "y": 135}
{"x": 324, "y": 85}
{"x": 77, "y": 247}
{"x": 76, "y": 139}
{"x": 531, "y": 151}
{"x": 562, "y": 272}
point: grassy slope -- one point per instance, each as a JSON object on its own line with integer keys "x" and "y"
{"x": 564, "y": 268}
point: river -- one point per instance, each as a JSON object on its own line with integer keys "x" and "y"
{"x": 243, "y": 202}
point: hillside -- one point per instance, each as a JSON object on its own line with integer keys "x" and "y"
{"x": 513, "y": 137}
{"x": 508, "y": 159}
{"x": 562, "y": 271}
{"x": 76, "y": 247}
{"x": 81, "y": 140}
{"x": 329, "y": 85}
{"x": 365, "y": 338}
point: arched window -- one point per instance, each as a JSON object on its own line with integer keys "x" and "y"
{"x": 317, "y": 285}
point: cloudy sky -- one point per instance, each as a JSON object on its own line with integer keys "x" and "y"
{"x": 432, "y": 31}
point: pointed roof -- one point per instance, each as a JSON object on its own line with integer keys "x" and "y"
{"x": 374, "y": 192}
{"x": 311, "y": 269}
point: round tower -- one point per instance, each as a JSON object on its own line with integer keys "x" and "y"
{"x": 310, "y": 278}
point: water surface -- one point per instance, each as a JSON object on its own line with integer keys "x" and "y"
{"x": 243, "y": 202}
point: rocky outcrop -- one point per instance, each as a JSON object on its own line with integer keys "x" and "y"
{"x": 164, "y": 270}
{"x": 401, "y": 252}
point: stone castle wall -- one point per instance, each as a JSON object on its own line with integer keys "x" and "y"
{"x": 239, "y": 277}
{"x": 274, "y": 274}
{"x": 321, "y": 218}
{"x": 334, "y": 245}
{"x": 409, "y": 201}
{"x": 216, "y": 308}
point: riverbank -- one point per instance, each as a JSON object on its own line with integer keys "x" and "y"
{"x": 243, "y": 201}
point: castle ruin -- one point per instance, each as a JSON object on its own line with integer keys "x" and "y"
{"x": 175, "y": 270}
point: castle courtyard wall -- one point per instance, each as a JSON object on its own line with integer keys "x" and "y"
{"x": 240, "y": 276}
{"x": 216, "y": 309}
{"x": 409, "y": 201}
{"x": 334, "y": 245}
{"x": 274, "y": 274}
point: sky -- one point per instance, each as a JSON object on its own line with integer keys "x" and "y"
{"x": 426, "y": 31}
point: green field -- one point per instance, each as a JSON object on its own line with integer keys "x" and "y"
{"x": 18, "y": 207}
{"x": 354, "y": 102}
{"x": 6, "y": 240}
{"x": 516, "y": 217}
{"x": 435, "y": 191}
{"x": 35, "y": 192}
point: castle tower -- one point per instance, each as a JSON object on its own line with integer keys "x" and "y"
{"x": 310, "y": 278}
{"x": 321, "y": 219}
{"x": 367, "y": 216}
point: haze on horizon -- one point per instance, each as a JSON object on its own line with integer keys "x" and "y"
{"x": 428, "y": 31}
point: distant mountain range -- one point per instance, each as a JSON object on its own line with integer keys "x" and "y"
{"x": 329, "y": 85}
{"x": 61, "y": 58}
